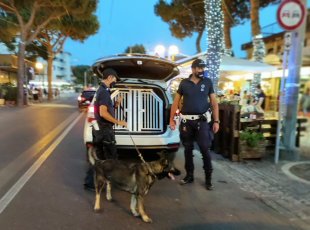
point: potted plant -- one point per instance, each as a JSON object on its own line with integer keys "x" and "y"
{"x": 252, "y": 145}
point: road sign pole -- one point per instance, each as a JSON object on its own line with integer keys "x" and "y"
{"x": 280, "y": 111}
{"x": 290, "y": 152}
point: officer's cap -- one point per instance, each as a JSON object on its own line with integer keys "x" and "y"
{"x": 199, "y": 63}
{"x": 108, "y": 72}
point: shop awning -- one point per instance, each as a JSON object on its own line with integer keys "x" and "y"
{"x": 9, "y": 62}
{"x": 229, "y": 65}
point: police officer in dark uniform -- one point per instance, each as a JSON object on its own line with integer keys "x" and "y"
{"x": 104, "y": 138}
{"x": 195, "y": 119}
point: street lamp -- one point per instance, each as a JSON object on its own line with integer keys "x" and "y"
{"x": 39, "y": 66}
{"x": 160, "y": 50}
{"x": 173, "y": 50}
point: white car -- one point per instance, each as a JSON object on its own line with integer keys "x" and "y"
{"x": 146, "y": 102}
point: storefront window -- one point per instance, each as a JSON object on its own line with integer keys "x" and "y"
{"x": 4, "y": 77}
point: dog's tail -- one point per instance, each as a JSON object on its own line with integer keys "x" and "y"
{"x": 92, "y": 155}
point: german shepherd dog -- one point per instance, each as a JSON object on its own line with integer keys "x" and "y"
{"x": 131, "y": 177}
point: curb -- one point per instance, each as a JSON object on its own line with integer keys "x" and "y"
{"x": 286, "y": 170}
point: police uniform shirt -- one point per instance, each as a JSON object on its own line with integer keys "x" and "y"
{"x": 195, "y": 96}
{"x": 102, "y": 97}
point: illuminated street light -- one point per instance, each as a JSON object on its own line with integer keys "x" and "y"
{"x": 39, "y": 65}
{"x": 173, "y": 50}
{"x": 160, "y": 49}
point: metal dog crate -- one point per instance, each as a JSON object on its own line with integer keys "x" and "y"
{"x": 143, "y": 109}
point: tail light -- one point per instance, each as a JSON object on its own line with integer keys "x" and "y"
{"x": 89, "y": 145}
{"x": 177, "y": 113}
{"x": 80, "y": 98}
{"x": 171, "y": 146}
{"x": 91, "y": 109}
{"x": 91, "y": 116}
{"x": 90, "y": 119}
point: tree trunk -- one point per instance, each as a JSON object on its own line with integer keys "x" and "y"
{"x": 226, "y": 29}
{"x": 20, "y": 74}
{"x": 49, "y": 73}
{"x": 200, "y": 33}
{"x": 258, "y": 43}
{"x": 214, "y": 23}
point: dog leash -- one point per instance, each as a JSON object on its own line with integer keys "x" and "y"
{"x": 139, "y": 153}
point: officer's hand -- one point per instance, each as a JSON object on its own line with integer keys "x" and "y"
{"x": 172, "y": 125}
{"x": 216, "y": 127}
{"x": 119, "y": 100}
{"x": 122, "y": 123}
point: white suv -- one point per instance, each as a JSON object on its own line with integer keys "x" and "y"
{"x": 146, "y": 102}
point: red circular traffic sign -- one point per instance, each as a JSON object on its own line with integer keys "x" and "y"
{"x": 290, "y": 14}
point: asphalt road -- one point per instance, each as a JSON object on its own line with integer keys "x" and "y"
{"x": 52, "y": 197}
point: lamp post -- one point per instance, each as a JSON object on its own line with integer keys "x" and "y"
{"x": 160, "y": 50}
{"x": 39, "y": 66}
{"x": 173, "y": 50}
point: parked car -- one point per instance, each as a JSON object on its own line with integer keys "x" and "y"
{"x": 85, "y": 98}
{"x": 146, "y": 102}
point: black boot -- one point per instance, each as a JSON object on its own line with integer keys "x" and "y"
{"x": 209, "y": 185}
{"x": 188, "y": 179}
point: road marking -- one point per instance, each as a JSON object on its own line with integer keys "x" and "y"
{"x": 54, "y": 105}
{"x": 9, "y": 196}
{"x": 8, "y": 172}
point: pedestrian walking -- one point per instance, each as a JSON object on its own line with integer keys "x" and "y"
{"x": 196, "y": 120}
{"x": 45, "y": 92}
{"x": 104, "y": 138}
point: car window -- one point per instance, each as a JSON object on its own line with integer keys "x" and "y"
{"x": 88, "y": 94}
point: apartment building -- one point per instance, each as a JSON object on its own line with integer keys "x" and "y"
{"x": 61, "y": 71}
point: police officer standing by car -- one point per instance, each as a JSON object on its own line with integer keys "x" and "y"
{"x": 103, "y": 135}
{"x": 195, "y": 119}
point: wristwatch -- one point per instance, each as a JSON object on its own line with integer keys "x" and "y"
{"x": 217, "y": 122}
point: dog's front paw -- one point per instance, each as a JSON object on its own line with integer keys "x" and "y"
{"x": 136, "y": 214}
{"x": 97, "y": 210}
{"x": 147, "y": 219}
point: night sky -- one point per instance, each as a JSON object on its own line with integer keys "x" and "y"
{"x": 124, "y": 22}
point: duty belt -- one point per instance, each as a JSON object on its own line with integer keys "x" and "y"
{"x": 196, "y": 117}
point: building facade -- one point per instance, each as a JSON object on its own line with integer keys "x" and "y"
{"x": 61, "y": 71}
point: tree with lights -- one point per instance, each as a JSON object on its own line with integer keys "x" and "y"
{"x": 28, "y": 17}
{"x": 257, "y": 37}
{"x": 214, "y": 26}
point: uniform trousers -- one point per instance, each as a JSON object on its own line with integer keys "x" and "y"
{"x": 105, "y": 144}
{"x": 199, "y": 131}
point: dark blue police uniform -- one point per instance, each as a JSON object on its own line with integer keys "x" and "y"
{"x": 195, "y": 102}
{"x": 104, "y": 138}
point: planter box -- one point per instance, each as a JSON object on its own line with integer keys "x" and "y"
{"x": 247, "y": 152}
{"x": 2, "y": 101}
{"x": 13, "y": 102}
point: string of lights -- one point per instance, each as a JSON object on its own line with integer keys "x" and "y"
{"x": 214, "y": 27}
{"x": 258, "y": 56}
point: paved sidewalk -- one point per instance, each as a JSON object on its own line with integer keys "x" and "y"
{"x": 270, "y": 185}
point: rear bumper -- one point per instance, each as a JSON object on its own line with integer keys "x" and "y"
{"x": 167, "y": 140}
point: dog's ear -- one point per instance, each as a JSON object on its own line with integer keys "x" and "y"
{"x": 162, "y": 154}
